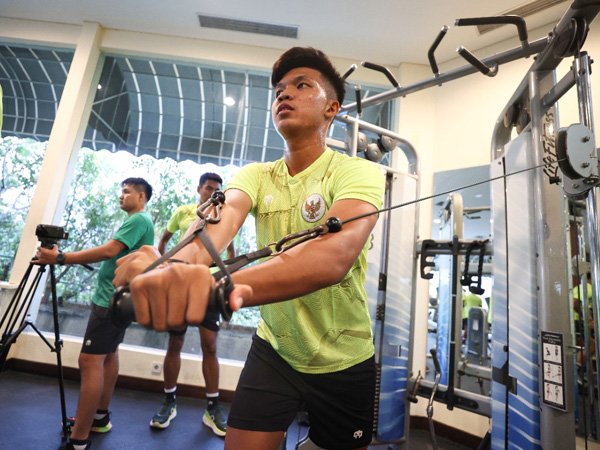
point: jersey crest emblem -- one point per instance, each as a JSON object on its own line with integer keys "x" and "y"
{"x": 313, "y": 208}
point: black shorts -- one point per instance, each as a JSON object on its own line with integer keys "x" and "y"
{"x": 102, "y": 336}
{"x": 339, "y": 404}
{"x": 210, "y": 322}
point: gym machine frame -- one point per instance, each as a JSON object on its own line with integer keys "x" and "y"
{"x": 532, "y": 111}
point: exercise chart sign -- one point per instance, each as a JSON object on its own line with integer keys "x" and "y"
{"x": 553, "y": 370}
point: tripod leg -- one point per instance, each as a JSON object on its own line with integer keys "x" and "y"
{"x": 6, "y": 343}
{"x": 14, "y": 316}
{"x": 9, "y": 315}
{"x": 66, "y": 429}
{"x": 18, "y": 310}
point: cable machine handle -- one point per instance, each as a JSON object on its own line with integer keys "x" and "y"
{"x": 433, "y": 48}
{"x": 383, "y": 70}
{"x": 490, "y": 71}
{"x": 518, "y": 21}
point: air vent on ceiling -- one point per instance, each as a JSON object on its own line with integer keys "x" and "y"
{"x": 523, "y": 11}
{"x": 246, "y": 26}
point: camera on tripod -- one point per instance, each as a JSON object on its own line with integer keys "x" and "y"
{"x": 49, "y": 235}
{"x": 16, "y": 317}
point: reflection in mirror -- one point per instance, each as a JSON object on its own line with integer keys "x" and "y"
{"x": 461, "y": 335}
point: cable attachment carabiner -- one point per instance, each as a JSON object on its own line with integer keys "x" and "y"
{"x": 210, "y": 210}
{"x": 332, "y": 225}
{"x": 218, "y": 300}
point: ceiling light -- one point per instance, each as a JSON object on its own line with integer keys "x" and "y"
{"x": 99, "y": 86}
{"x": 229, "y": 101}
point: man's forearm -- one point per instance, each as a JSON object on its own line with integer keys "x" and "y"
{"x": 313, "y": 265}
{"x": 164, "y": 239}
{"x": 161, "y": 247}
{"x": 221, "y": 234}
{"x": 92, "y": 255}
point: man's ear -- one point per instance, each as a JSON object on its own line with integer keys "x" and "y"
{"x": 333, "y": 107}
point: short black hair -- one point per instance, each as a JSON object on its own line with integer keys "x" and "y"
{"x": 210, "y": 176}
{"x": 140, "y": 185}
{"x": 312, "y": 58}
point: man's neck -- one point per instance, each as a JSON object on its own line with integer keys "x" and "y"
{"x": 300, "y": 154}
{"x": 131, "y": 213}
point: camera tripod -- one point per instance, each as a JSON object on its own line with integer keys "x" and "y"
{"x": 16, "y": 319}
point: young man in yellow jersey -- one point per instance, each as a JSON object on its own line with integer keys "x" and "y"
{"x": 313, "y": 349}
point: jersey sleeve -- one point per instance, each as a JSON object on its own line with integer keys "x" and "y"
{"x": 248, "y": 181}
{"x": 359, "y": 179}
{"x": 131, "y": 231}
{"x": 173, "y": 223}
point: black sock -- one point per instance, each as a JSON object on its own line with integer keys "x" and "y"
{"x": 211, "y": 402}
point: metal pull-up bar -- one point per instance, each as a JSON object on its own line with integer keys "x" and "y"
{"x": 569, "y": 33}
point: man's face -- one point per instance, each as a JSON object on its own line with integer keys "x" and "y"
{"x": 130, "y": 199}
{"x": 301, "y": 102}
{"x": 207, "y": 189}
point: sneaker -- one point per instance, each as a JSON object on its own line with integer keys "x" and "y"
{"x": 166, "y": 413}
{"x": 215, "y": 419}
{"x": 98, "y": 425}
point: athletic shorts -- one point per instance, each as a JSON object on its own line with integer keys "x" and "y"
{"x": 270, "y": 393}
{"x": 210, "y": 322}
{"x": 102, "y": 336}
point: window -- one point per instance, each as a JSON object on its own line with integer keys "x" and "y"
{"x": 163, "y": 120}
{"x": 32, "y": 81}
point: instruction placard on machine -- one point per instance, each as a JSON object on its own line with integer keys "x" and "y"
{"x": 553, "y": 370}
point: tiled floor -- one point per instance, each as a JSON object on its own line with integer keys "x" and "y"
{"x": 30, "y": 419}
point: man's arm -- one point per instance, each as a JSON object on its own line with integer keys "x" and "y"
{"x": 233, "y": 214}
{"x": 162, "y": 297}
{"x": 230, "y": 251}
{"x": 313, "y": 265}
{"x": 162, "y": 244}
{"x": 89, "y": 255}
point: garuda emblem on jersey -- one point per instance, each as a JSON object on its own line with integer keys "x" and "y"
{"x": 313, "y": 208}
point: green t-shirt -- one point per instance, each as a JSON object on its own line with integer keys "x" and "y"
{"x": 182, "y": 218}
{"x": 136, "y": 230}
{"x": 330, "y": 329}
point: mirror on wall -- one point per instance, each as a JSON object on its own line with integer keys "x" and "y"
{"x": 465, "y": 356}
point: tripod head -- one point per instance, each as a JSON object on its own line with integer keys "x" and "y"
{"x": 49, "y": 235}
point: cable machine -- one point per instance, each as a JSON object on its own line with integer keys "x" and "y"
{"x": 533, "y": 364}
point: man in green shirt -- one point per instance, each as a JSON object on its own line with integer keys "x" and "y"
{"x": 314, "y": 346}
{"x": 214, "y": 416}
{"x": 99, "y": 360}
